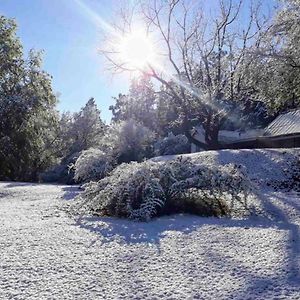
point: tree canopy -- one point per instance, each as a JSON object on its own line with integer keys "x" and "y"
{"x": 28, "y": 118}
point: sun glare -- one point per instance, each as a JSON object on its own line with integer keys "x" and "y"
{"x": 136, "y": 50}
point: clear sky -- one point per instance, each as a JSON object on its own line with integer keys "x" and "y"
{"x": 70, "y": 37}
{"x": 70, "y": 40}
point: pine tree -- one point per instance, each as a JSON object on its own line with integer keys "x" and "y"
{"x": 168, "y": 114}
{"x": 139, "y": 104}
{"x": 87, "y": 128}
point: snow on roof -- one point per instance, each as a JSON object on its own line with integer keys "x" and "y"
{"x": 287, "y": 123}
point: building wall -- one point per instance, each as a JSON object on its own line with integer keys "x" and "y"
{"x": 266, "y": 142}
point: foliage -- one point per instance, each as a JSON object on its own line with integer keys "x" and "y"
{"x": 138, "y": 105}
{"x": 123, "y": 141}
{"x": 87, "y": 128}
{"x": 28, "y": 119}
{"x": 172, "y": 144}
{"x": 77, "y": 132}
{"x": 275, "y": 69}
{"x": 169, "y": 118}
{"x": 249, "y": 114}
{"x": 61, "y": 172}
{"x": 222, "y": 72}
{"x": 142, "y": 191}
{"x": 92, "y": 165}
{"x": 128, "y": 141}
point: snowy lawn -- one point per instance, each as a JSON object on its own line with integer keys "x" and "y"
{"x": 45, "y": 254}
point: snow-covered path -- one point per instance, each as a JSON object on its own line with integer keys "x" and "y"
{"x": 44, "y": 254}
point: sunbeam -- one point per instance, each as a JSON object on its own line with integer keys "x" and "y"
{"x": 96, "y": 19}
{"x": 135, "y": 51}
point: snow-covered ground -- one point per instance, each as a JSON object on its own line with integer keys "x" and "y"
{"x": 263, "y": 166}
{"x": 46, "y": 254}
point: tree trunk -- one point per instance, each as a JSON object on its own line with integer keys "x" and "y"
{"x": 187, "y": 127}
{"x": 195, "y": 141}
{"x": 212, "y": 128}
{"x": 213, "y": 141}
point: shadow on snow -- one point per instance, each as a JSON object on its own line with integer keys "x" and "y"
{"x": 70, "y": 192}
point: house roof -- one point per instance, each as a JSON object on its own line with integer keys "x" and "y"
{"x": 288, "y": 123}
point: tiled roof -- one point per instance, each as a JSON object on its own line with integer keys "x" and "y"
{"x": 287, "y": 123}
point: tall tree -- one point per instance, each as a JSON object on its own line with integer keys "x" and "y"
{"x": 28, "y": 118}
{"x": 87, "y": 127}
{"x": 276, "y": 69}
{"x": 169, "y": 118}
{"x": 139, "y": 104}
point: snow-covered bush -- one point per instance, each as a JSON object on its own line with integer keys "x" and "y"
{"x": 172, "y": 144}
{"x": 92, "y": 164}
{"x": 128, "y": 141}
{"x": 61, "y": 172}
{"x": 144, "y": 190}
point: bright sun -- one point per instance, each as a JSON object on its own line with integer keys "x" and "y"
{"x": 136, "y": 50}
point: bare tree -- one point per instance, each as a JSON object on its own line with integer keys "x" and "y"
{"x": 203, "y": 57}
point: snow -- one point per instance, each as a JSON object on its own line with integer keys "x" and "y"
{"x": 47, "y": 254}
{"x": 262, "y": 165}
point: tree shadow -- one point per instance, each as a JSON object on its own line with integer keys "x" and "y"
{"x": 130, "y": 232}
{"x": 3, "y": 195}
{"x": 293, "y": 200}
{"x": 279, "y": 216}
{"x": 257, "y": 285}
{"x": 109, "y": 229}
{"x": 284, "y": 222}
{"x": 290, "y": 275}
{"x": 70, "y": 192}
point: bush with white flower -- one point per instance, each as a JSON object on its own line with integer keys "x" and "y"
{"x": 141, "y": 191}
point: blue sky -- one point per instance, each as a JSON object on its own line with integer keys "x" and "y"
{"x": 70, "y": 39}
